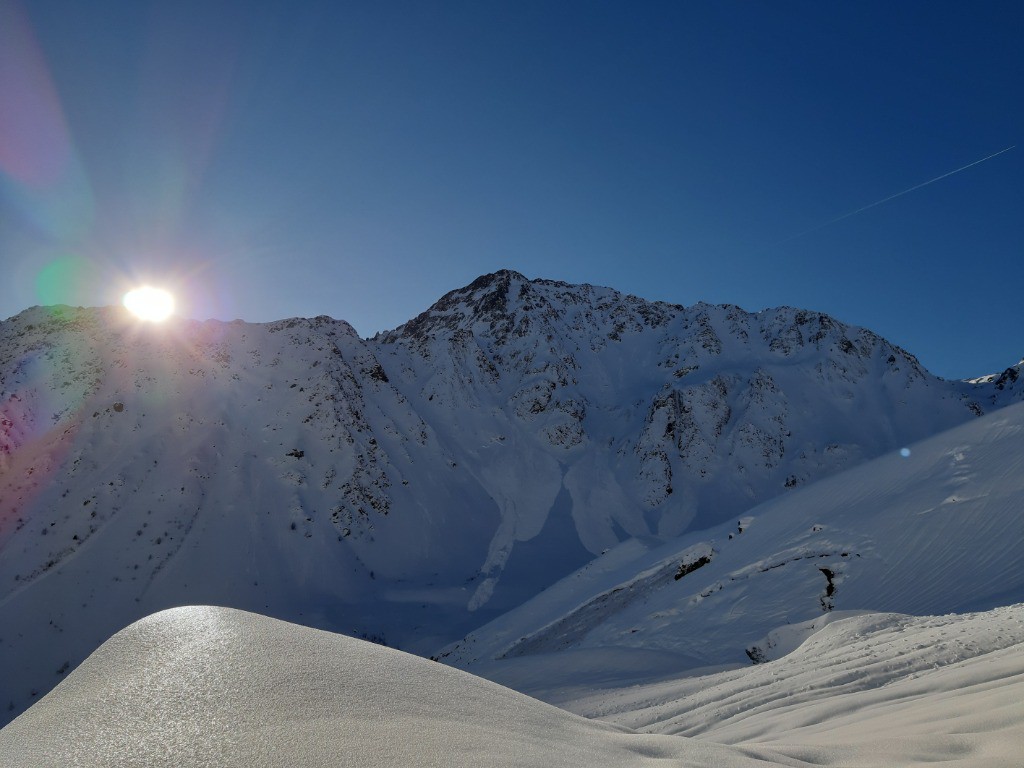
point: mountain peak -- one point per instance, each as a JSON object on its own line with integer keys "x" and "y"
{"x": 486, "y": 298}
{"x": 503, "y": 277}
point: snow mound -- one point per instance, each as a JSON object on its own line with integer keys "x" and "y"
{"x": 784, "y": 640}
{"x": 201, "y": 686}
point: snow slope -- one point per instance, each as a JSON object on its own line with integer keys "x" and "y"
{"x": 226, "y": 463}
{"x": 935, "y": 531}
{"x": 205, "y": 686}
{"x": 878, "y": 689}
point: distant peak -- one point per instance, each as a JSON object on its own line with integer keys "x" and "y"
{"x": 494, "y": 298}
{"x": 502, "y": 277}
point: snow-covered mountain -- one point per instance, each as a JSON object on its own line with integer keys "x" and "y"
{"x": 413, "y": 486}
{"x": 933, "y": 531}
{"x": 1005, "y": 387}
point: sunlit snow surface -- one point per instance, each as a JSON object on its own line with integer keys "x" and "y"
{"x": 204, "y": 686}
{"x": 878, "y": 689}
{"x": 215, "y": 686}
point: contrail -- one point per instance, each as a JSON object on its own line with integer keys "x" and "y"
{"x": 893, "y": 197}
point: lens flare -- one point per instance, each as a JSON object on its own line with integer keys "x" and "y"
{"x": 151, "y": 304}
{"x": 42, "y": 178}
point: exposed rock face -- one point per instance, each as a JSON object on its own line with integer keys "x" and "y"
{"x": 1002, "y": 388}
{"x": 459, "y": 463}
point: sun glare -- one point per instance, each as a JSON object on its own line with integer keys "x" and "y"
{"x": 152, "y": 304}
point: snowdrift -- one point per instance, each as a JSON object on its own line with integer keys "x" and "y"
{"x": 202, "y": 686}
{"x": 871, "y": 690}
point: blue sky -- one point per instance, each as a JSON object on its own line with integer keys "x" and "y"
{"x": 359, "y": 160}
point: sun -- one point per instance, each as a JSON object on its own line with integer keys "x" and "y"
{"x": 152, "y": 304}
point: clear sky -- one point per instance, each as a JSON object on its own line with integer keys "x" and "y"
{"x": 359, "y": 159}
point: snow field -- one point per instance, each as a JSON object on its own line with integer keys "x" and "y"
{"x": 200, "y": 686}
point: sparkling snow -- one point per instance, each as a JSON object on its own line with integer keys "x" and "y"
{"x": 202, "y": 686}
